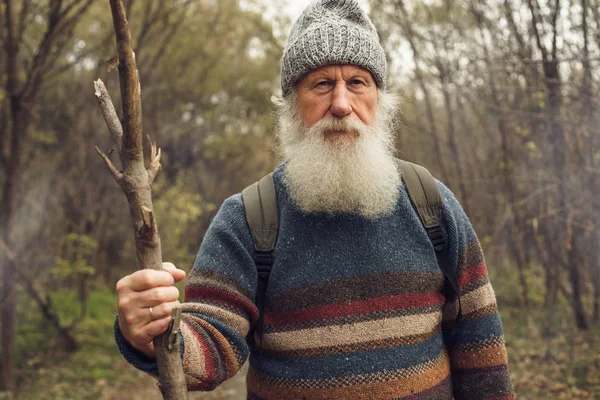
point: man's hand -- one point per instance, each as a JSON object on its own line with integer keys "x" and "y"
{"x": 145, "y": 300}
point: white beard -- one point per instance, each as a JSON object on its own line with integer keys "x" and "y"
{"x": 337, "y": 174}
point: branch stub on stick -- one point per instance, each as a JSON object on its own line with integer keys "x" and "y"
{"x": 109, "y": 113}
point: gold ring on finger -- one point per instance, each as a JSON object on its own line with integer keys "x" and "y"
{"x": 151, "y": 314}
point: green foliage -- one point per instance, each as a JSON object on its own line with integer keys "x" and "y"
{"x": 177, "y": 209}
{"x": 74, "y": 256}
{"x": 54, "y": 375}
{"x": 43, "y": 138}
{"x": 507, "y": 285}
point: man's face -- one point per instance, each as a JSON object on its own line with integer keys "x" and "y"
{"x": 336, "y": 135}
{"x": 337, "y": 91}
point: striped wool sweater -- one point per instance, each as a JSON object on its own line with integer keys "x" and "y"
{"x": 353, "y": 309}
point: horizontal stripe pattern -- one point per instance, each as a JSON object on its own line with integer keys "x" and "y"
{"x": 479, "y": 298}
{"x": 354, "y": 333}
{"x": 234, "y": 320}
{"x": 361, "y": 362}
{"x": 338, "y": 317}
{"x": 399, "y": 319}
{"x": 217, "y": 317}
{"x": 482, "y": 354}
{"x": 404, "y": 382}
{"x": 206, "y": 278}
{"x": 472, "y": 274}
{"x": 478, "y": 354}
{"x": 197, "y": 358}
{"x": 353, "y": 309}
{"x": 470, "y": 257}
{"x": 227, "y": 300}
{"x": 373, "y": 305}
{"x": 353, "y": 347}
{"x": 355, "y": 289}
{"x": 353, "y": 319}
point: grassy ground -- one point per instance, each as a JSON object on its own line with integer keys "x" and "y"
{"x": 97, "y": 370}
{"x": 564, "y": 364}
{"x": 549, "y": 358}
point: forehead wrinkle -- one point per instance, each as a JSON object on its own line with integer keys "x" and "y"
{"x": 346, "y": 71}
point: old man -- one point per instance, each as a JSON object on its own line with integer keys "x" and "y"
{"x": 356, "y": 304}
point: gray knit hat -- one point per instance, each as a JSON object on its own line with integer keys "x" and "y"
{"x": 332, "y": 32}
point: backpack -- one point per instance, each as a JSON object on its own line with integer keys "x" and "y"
{"x": 262, "y": 216}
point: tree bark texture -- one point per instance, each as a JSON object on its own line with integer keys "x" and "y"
{"x": 8, "y": 204}
{"x": 136, "y": 181}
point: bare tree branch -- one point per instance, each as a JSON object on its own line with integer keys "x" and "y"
{"x": 110, "y": 113}
{"x": 11, "y": 255}
{"x": 47, "y": 308}
{"x": 166, "y": 39}
{"x": 130, "y": 86}
{"x": 555, "y": 27}
{"x": 596, "y": 10}
{"x": 410, "y": 34}
{"x": 70, "y": 7}
{"x": 534, "y": 8}
{"x": 44, "y": 305}
{"x": 23, "y": 16}
{"x": 118, "y": 175}
{"x": 47, "y": 53}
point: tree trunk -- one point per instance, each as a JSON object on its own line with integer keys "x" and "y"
{"x": 572, "y": 234}
{"x": 575, "y": 261}
{"x": 444, "y": 78}
{"x": 8, "y": 203}
{"x": 590, "y": 128}
{"x": 8, "y": 317}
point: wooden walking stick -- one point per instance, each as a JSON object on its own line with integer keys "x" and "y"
{"x": 136, "y": 181}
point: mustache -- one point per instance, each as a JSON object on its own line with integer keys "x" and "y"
{"x": 346, "y": 124}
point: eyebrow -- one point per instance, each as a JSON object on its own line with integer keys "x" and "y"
{"x": 324, "y": 75}
{"x": 362, "y": 74}
{"x": 317, "y": 75}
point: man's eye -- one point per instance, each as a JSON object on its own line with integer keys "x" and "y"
{"x": 357, "y": 82}
{"x": 322, "y": 84}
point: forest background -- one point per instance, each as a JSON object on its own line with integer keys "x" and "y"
{"x": 501, "y": 101}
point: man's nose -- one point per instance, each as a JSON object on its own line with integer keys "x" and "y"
{"x": 340, "y": 104}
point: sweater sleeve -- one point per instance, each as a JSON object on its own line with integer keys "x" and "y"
{"x": 218, "y": 309}
{"x": 478, "y": 358}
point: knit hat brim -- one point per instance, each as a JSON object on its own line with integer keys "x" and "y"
{"x": 331, "y": 33}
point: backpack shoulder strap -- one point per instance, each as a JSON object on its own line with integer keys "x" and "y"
{"x": 424, "y": 193}
{"x": 262, "y": 216}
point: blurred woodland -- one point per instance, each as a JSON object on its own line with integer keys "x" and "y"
{"x": 501, "y": 101}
